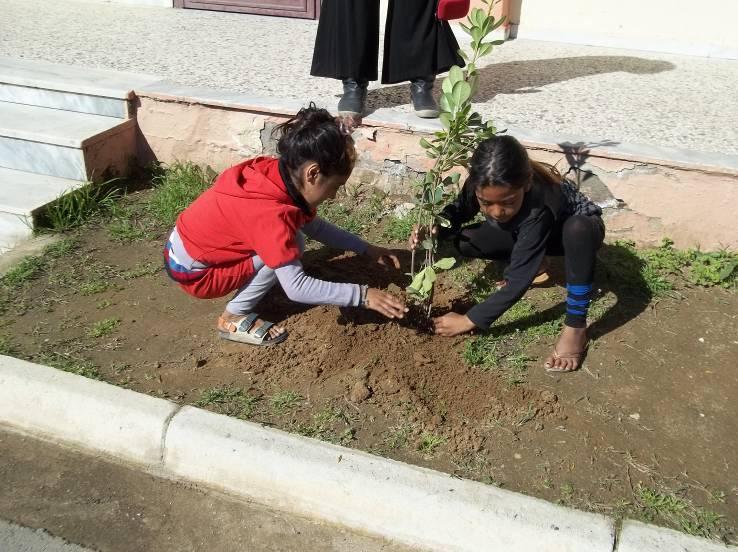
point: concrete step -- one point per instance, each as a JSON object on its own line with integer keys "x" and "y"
{"x": 70, "y": 88}
{"x": 66, "y": 144}
{"x": 22, "y": 195}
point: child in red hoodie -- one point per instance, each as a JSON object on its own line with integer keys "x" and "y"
{"x": 245, "y": 232}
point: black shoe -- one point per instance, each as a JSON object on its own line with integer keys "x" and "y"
{"x": 352, "y": 102}
{"x": 421, "y": 91}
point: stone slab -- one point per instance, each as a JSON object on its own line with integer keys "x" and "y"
{"x": 23, "y": 192}
{"x": 639, "y": 537}
{"x": 69, "y": 101}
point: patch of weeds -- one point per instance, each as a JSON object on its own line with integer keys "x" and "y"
{"x": 103, "y": 327}
{"x": 104, "y": 304}
{"x": 93, "y": 287}
{"x": 398, "y": 436}
{"x": 284, "y": 400}
{"x": 7, "y": 347}
{"x": 75, "y": 208}
{"x": 714, "y": 269}
{"x": 567, "y": 493}
{"x": 356, "y": 215}
{"x": 23, "y": 272}
{"x": 321, "y": 427}
{"x": 231, "y": 401}
{"x": 125, "y": 231}
{"x": 678, "y": 512}
{"x": 68, "y": 363}
{"x": 141, "y": 269}
{"x": 429, "y": 442}
{"x": 398, "y": 229}
{"x": 61, "y": 248}
{"x": 175, "y": 187}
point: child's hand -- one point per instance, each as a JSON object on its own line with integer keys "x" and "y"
{"x": 383, "y": 256}
{"x": 452, "y": 324}
{"x": 384, "y": 303}
{"x": 418, "y": 235}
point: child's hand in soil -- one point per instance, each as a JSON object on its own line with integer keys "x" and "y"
{"x": 452, "y": 324}
{"x": 383, "y": 256}
{"x": 418, "y": 235}
{"x": 384, "y": 303}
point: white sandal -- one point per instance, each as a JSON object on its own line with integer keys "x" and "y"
{"x": 240, "y": 331}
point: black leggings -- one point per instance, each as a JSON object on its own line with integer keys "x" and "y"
{"x": 416, "y": 43}
{"x": 577, "y": 239}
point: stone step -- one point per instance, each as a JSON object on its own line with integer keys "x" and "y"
{"x": 22, "y": 195}
{"x": 66, "y": 144}
{"x": 70, "y": 88}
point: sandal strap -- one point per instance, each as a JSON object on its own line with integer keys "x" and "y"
{"x": 247, "y": 322}
{"x": 263, "y": 329}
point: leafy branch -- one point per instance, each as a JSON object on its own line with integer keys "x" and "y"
{"x": 451, "y": 147}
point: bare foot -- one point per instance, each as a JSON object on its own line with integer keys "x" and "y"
{"x": 274, "y": 332}
{"x": 569, "y": 350}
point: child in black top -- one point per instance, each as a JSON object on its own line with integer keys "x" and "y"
{"x": 530, "y": 212}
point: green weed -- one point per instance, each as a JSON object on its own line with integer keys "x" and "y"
{"x": 75, "y": 208}
{"x": 126, "y": 231}
{"x": 231, "y": 401}
{"x": 23, "y": 272}
{"x": 429, "y": 442}
{"x": 93, "y": 287}
{"x": 7, "y": 347}
{"x": 68, "y": 363}
{"x": 141, "y": 269}
{"x": 356, "y": 215}
{"x": 103, "y": 327}
{"x": 678, "y": 512}
{"x": 61, "y": 248}
{"x": 398, "y": 229}
{"x": 398, "y": 436}
{"x": 284, "y": 400}
{"x": 175, "y": 187}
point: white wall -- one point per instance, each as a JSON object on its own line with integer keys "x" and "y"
{"x": 160, "y": 3}
{"x": 706, "y": 28}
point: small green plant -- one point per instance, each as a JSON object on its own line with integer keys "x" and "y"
{"x": 284, "y": 400}
{"x": 397, "y": 228}
{"x": 7, "y": 347}
{"x": 358, "y": 214}
{"x": 141, "y": 269}
{"x": 71, "y": 364}
{"x": 61, "y": 248}
{"x": 398, "y": 436}
{"x": 429, "y": 442}
{"x": 103, "y": 327}
{"x": 23, "y": 272}
{"x": 230, "y": 400}
{"x": 75, "y": 208}
{"x": 175, "y": 187}
{"x": 678, "y": 512}
{"x": 451, "y": 148}
{"x": 93, "y": 287}
{"x": 125, "y": 231}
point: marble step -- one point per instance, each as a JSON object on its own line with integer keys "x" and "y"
{"x": 68, "y": 87}
{"x": 66, "y": 144}
{"x": 22, "y": 195}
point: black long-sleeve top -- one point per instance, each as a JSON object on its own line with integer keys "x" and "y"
{"x": 530, "y": 230}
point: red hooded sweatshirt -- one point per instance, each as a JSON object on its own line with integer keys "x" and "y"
{"x": 246, "y": 212}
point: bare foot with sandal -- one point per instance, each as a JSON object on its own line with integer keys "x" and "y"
{"x": 569, "y": 350}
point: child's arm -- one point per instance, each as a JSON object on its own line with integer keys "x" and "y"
{"x": 525, "y": 260}
{"x": 302, "y": 288}
{"x": 333, "y": 236}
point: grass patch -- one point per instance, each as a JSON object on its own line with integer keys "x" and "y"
{"x": 677, "y": 512}
{"x": 140, "y": 270}
{"x": 398, "y": 229}
{"x": 429, "y": 442}
{"x": 93, "y": 287}
{"x": 126, "y": 231}
{"x": 231, "y": 401}
{"x": 75, "y": 208}
{"x": 23, "y": 272}
{"x": 322, "y": 426}
{"x": 62, "y": 248}
{"x": 175, "y": 187}
{"x": 7, "y": 347}
{"x": 398, "y": 436}
{"x": 284, "y": 400}
{"x": 356, "y": 214}
{"x": 103, "y": 327}
{"x": 68, "y": 363}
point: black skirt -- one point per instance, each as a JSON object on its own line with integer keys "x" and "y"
{"x": 416, "y": 43}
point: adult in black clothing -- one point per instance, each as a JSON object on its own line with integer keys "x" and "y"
{"x": 530, "y": 212}
{"x": 417, "y": 47}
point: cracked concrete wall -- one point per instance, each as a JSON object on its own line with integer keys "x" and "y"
{"x": 644, "y": 201}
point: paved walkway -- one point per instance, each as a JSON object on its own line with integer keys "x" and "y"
{"x": 589, "y": 93}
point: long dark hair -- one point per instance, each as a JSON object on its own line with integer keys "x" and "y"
{"x": 315, "y": 135}
{"x": 503, "y": 161}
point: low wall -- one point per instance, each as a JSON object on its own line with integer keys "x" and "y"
{"x": 645, "y": 199}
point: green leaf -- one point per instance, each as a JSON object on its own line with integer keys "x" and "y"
{"x": 461, "y": 93}
{"x": 467, "y": 29}
{"x": 498, "y": 23}
{"x": 476, "y": 34}
{"x": 446, "y": 103}
{"x": 497, "y": 42}
{"x": 445, "y": 120}
{"x": 485, "y": 49}
{"x": 443, "y": 221}
{"x": 427, "y": 244}
{"x": 455, "y": 177}
{"x": 438, "y": 195}
{"x": 727, "y": 271}
{"x": 445, "y": 263}
{"x": 455, "y": 74}
{"x": 425, "y": 144}
{"x": 447, "y": 85}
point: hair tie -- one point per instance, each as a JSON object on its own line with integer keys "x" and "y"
{"x": 346, "y": 125}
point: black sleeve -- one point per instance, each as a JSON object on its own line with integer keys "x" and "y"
{"x": 462, "y": 210}
{"x": 525, "y": 259}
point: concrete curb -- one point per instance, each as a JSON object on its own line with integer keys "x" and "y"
{"x": 410, "y": 504}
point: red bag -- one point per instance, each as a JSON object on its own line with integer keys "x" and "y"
{"x": 452, "y": 9}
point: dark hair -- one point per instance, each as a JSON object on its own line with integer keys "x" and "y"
{"x": 315, "y": 135}
{"x": 503, "y": 161}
